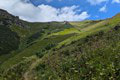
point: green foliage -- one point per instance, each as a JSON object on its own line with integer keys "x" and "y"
{"x": 94, "y": 57}
{"x": 49, "y": 46}
{"x": 9, "y": 40}
{"x": 17, "y": 71}
{"x": 40, "y": 54}
{"x": 34, "y": 37}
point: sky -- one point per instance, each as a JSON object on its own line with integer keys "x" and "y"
{"x": 61, "y": 10}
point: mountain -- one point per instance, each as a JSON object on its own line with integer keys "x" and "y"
{"x": 86, "y": 50}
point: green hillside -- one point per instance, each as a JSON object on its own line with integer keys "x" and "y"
{"x": 86, "y": 50}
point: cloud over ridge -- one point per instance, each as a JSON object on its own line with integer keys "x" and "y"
{"x": 42, "y": 13}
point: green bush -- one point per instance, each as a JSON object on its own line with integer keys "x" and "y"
{"x": 40, "y": 54}
{"x": 9, "y": 40}
{"x": 49, "y": 46}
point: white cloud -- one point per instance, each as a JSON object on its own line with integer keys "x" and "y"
{"x": 103, "y": 9}
{"x": 115, "y": 1}
{"x": 42, "y": 13}
{"x": 96, "y": 2}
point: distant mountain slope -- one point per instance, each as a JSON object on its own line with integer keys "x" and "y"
{"x": 18, "y": 37}
{"x": 59, "y": 50}
{"x": 9, "y": 40}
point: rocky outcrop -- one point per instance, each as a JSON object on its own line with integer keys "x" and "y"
{"x": 8, "y": 19}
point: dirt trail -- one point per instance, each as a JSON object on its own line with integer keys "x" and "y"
{"x": 29, "y": 73}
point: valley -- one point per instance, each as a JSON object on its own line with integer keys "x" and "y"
{"x": 83, "y": 50}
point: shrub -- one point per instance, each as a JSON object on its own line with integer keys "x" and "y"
{"x": 9, "y": 40}
{"x": 34, "y": 37}
{"x": 117, "y": 27}
{"x": 40, "y": 54}
{"x": 49, "y": 46}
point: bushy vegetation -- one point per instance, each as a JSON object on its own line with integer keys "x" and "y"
{"x": 16, "y": 72}
{"x": 9, "y": 40}
{"x": 34, "y": 37}
{"x": 96, "y": 57}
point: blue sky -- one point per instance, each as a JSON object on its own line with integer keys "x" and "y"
{"x": 61, "y": 10}
{"x": 112, "y": 8}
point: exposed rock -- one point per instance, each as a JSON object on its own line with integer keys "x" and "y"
{"x": 8, "y": 19}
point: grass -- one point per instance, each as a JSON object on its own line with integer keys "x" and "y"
{"x": 22, "y": 32}
{"x": 94, "y": 57}
{"x": 85, "y": 32}
{"x": 26, "y": 50}
{"x": 40, "y": 44}
{"x": 65, "y": 32}
{"x": 83, "y": 24}
{"x": 90, "y": 30}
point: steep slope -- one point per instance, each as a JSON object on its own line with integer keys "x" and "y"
{"x": 95, "y": 57}
{"x": 62, "y": 50}
{"x": 9, "y": 40}
{"x": 25, "y": 39}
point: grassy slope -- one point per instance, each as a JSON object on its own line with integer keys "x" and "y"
{"x": 90, "y": 29}
{"x": 26, "y": 50}
{"x": 91, "y": 59}
{"x": 95, "y": 57}
{"x": 55, "y": 33}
